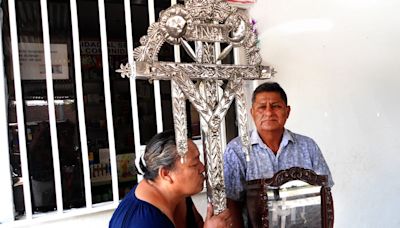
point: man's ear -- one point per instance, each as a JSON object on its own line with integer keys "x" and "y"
{"x": 288, "y": 111}
{"x": 165, "y": 174}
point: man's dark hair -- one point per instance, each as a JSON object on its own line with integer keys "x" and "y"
{"x": 269, "y": 87}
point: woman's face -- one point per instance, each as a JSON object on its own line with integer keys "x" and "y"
{"x": 188, "y": 176}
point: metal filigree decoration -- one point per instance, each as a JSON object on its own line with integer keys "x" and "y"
{"x": 204, "y": 23}
{"x": 242, "y": 121}
{"x": 179, "y": 112}
{"x": 125, "y": 70}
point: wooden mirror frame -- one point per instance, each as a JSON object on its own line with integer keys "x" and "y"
{"x": 257, "y": 199}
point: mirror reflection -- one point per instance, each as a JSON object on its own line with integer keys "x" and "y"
{"x": 294, "y": 204}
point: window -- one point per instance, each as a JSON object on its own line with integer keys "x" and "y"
{"x": 72, "y": 130}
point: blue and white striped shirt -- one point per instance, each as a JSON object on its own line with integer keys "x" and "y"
{"x": 294, "y": 151}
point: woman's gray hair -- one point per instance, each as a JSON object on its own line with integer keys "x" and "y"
{"x": 160, "y": 152}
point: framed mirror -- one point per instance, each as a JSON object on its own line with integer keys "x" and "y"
{"x": 295, "y": 197}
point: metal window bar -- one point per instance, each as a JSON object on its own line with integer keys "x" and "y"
{"x": 20, "y": 110}
{"x": 107, "y": 96}
{"x": 132, "y": 80}
{"x": 80, "y": 103}
{"x": 236, "y": 56}
{"x": 51, "y": 106}
{"x": 156, "y": 83}
{"x": 173, "y": 2}
{"x": 6, "y": 193}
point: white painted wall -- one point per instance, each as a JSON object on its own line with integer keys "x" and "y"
{"x": 339, "y": 62}
{"x": 97, "y": 220}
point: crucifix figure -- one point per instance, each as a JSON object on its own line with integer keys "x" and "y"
{"x": 203, "y": 24}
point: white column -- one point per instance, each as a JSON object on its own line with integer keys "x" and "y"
{"x": 51, "y": 106}
{"x": 80, "y": 103}
{"x": 20, "y": 110}
{"x": 107, "y": 98}
{"x": 132, "y": 80}
{"x": 6, "y": 195}
{"x": 156, "y": 83}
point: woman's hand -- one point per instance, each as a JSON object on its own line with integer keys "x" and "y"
{"x": 216, "y": 221}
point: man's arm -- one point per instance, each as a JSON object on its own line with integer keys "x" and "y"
{"x": 320, "y": 165}
{"x": 235, "y": 207}
{"x": 235, "y": 180}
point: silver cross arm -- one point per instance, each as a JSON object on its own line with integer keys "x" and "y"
{"x": 164, "y": 70}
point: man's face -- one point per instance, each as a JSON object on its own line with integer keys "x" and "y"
{"x": 269, "y": 112}
{"x": 189, "y": 175}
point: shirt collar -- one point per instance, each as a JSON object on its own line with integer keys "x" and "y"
{"x": 256, "y": 139}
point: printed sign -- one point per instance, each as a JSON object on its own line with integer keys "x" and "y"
{"x": 91, "y": 47}
{"x": 31, "y": 59}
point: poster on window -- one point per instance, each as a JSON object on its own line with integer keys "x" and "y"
{"x": 91, "y": 58}
{"x": 31, "y": 59}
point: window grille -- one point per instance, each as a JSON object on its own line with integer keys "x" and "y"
{"x": 72, "y": 124}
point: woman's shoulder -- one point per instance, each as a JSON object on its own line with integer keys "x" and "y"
{"x": 133, "y": 212}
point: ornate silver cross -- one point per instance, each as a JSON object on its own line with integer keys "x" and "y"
{"x": 206, "y": 23}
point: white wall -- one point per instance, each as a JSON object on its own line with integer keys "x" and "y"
{"x": 96, "y": 220}
{"x": 339, "y": 62}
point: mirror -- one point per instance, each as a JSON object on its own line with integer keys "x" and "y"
{"x": 294, "y": 204}
{"x": 293, "y": 198}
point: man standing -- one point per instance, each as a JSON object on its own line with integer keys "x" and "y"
{"x": 274, "y": 148}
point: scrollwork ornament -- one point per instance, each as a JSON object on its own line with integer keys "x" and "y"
{"x": 200, "y": 9}
{"x": 216, "y": 179}
{"x": 151, "y": 44}
{"x": 222, "y": 107}
{"x": 241, "y": 116}
{"x": 211, "y": 92}
{"x": 222, "y": 10}
{"x": 297, "y": 173}
{"x": 180, "y": 122}
{"x": 125, "y": 70}
{"x": 174, "y": 22}
{"x": 208, "y": 56}
{"x": 238, "y": 29}
{"x": 189, "y": 89}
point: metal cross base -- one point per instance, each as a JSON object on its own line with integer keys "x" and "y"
{"x": 205, "y": 23}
